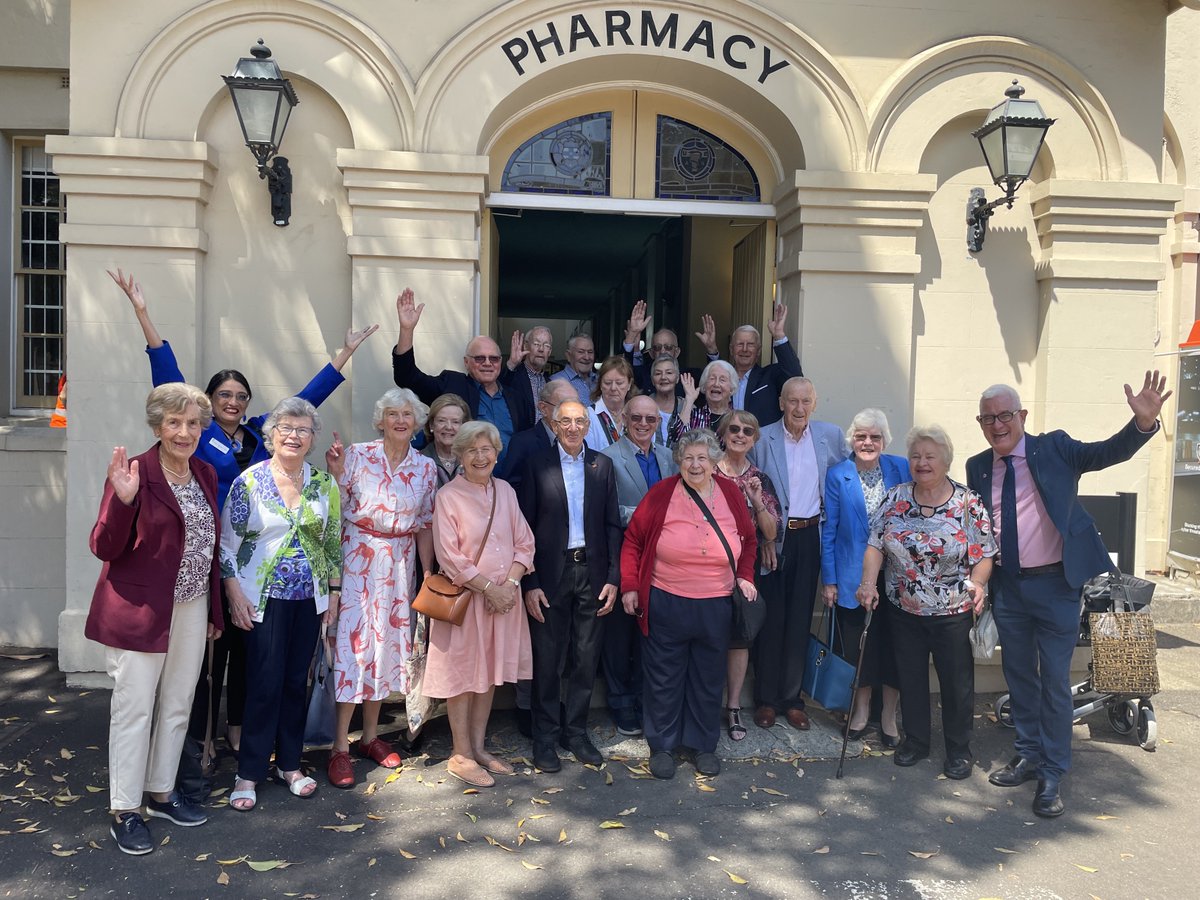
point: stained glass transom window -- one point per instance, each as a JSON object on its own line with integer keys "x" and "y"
{"x": 691, "y": 164}
{"x": 572, "y": 157}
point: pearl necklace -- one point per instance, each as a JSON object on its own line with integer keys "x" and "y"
{"x": 297, "y": 479}
{"x": 185, "y": 475}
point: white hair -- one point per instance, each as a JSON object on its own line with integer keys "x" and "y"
{"x": 869, "y": 418}
{"x": 934, "y": 434}
{"x": 400, "y": 398}
{"x": 1002, "y": 390}
{"x": 718, "y": 365}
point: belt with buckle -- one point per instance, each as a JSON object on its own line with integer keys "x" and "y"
{"x": 795, "y": 524}
{"x": 1051, "y": 569}
{"x": 578, "y": 555}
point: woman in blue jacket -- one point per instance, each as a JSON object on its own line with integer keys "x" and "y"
{"x": 231, "y": 443}
{"x": 854, "y": 488}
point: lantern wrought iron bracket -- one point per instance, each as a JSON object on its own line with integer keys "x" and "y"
{"x": 979, "y": 210}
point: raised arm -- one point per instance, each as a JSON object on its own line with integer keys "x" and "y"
{"x": 137, "y": 300}
{"x": 408, "y": 311}
{"x": 353, "y": 340}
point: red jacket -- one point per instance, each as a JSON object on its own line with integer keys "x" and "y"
{"x": 142, "y": 546}
{"x": 640, "y": 548}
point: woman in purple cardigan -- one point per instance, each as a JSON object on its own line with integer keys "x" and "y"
{"x": 677, "y": 579}
{"x": 157, "y": 599}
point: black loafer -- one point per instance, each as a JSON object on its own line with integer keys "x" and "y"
{"x": 545, "y": 757}
{"x": 889, "y": 741}
{"x": 857, "y": 734}
{"x": 707, "y": 764}
{"x": 907, "y": 755}
{"x": 585, "y": 751}
{"x": 662, "y": 765}
{"x": 958, "y": 769}
{"x": 1047, "y": 802}
{"x": 1018, "y": 771}
{"x": 132, "y": 835}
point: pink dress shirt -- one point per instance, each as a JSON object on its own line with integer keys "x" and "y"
{"x": 1038, "y": 540}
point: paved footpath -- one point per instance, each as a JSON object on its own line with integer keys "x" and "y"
{"x": 777, "y": 826}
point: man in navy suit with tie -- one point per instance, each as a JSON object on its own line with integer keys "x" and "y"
{"x": 1049, "y": 547}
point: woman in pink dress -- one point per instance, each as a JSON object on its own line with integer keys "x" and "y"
{"x": 387, "y": 492}
{"x": 491, "y": 646}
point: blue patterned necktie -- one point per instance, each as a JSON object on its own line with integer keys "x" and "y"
{"x": 1010, "y": 555}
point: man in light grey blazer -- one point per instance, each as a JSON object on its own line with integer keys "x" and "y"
{"x": 638, "y": 464}
{"x": 795, "y": 453}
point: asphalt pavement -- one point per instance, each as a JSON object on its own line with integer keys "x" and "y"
{"x": 778, "y": 824}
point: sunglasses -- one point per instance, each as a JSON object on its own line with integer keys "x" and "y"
{"x": 646, "y": 420}
{"x": 482, "y": 360}
{"x": 747, "y": 430}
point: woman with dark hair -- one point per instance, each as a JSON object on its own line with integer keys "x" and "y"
{"x": 230, "y": 443}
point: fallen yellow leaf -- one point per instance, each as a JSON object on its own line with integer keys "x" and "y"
{"x": 66, "y": 754}
{"x": 372, "y": 787}
{"x": 231, "y": 862}
{"x": 662, "y": 834}
{"x": 64, "y": 852}
{"x": 609, "y": 823}
{"x": 555, "y": 790}
{"x": 1084, "y": 868}
{"x": 223, "y": 878}
{"x": 608, "y": 779}
{"x": 406, "y": 854}
{"x": 375, "y": 818}
{"x": 529, "y": 865}
{"x": 203, "y": 857}
{"x": 773, "y": 792}
{"x": 370, "y": 862}
{"x": 950, "y": 820}
{"x": 707, "y": 788}
{"x": 562, "y": 836}
{"x": 923, "y": 854}
{"x": 346, "y": 828}
{"x": 266, "y": 865}
{"x": 736, "y": 879}
{"x": 539, "y": 801}
{"x": 462, "y": 840}
{"x": 471, "y": 791}
{"x": 1003, "y": 850}
{"x": 628, "y": 812}
{"x": 474, "y": 818}
{"x": 1105, "y": 818}
{"x": 824, "y": 849}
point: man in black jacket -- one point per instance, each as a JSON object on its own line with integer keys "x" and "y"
{"x": 573, "y": 582}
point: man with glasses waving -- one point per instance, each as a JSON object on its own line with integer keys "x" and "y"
{"x": 525, "y": 370}
{"x": 510, "y": 411}
{"x": 663, "y": 342}
{"x": 1049, "y": 547}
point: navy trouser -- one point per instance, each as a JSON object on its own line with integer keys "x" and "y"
{"x": 279, "y": 650}
{"x": 781, "y": 648}
{"x": 621, "y": 661}
{"x": 948, "y": 639}
{"x": 683, "y": 665}
{"x": 1038, "y": 620}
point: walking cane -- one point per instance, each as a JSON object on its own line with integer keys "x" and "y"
{"x": 862, "y": 643}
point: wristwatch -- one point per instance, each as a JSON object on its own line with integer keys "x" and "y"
{"x": 969, "y": 585}
{"x": 514, "y": 582}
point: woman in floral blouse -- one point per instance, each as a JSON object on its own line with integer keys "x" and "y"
{"x": 281, "y": 558}
{"x": 937, "y": 539}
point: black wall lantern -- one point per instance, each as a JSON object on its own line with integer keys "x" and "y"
{"x": 263, "y": 99}
{"x": 1011, "y": 138}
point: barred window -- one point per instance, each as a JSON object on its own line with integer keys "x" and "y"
{"x": 40, "y": 270}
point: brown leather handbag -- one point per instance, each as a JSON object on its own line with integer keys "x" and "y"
{"x": 442, "y": 599}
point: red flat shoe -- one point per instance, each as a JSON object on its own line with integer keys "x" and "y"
{"x": 340, "y": 769}
{"x": 380, "y": 751}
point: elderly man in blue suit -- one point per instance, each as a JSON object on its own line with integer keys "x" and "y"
{"x": 1049, "y": 547}
{"x": 795, "y": 453}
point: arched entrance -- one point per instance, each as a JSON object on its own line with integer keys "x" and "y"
{"x": 606, "y": 197}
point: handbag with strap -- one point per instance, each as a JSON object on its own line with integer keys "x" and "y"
{"x": 828, "y": 678}
{"x": 748, "y": 615}
{"x": 442, "y": 599}
{"x": 984, "y": 635}
{"x": 321, "y": 719}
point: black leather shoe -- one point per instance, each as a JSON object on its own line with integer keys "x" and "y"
{"x": 545, "y": 757}
{"x": 585, "y": 751}
{"x": 707, "y": 764}
{"x": 662, "y": 765}
{"x": 857, "y": 734}
{"x": 908, "y": 755}
{"x": 889, "y": 741}
{"x": 1047, "y": 802}
{"x": 1018, "y": 771}
{"x": 132, "y": 835}
{"x": 958, "y": 769}
{"x": 524, "y": 722}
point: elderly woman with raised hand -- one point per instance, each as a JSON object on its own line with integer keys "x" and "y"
{"x": 281, "y": 557}
{"x": 677, "y": 577}
{"x": 387, "y": 506}
{"x": 476, "y": 517}
{"x": 157, "y": 597}
{"x": 614, "y": 386}
{"x": 717, "y": 382}
{"x": 664, "y": 376}
{"x": 739, "y": 433}
{"x": 446, "y": 415}
{"x": 936, "y": 537}
{"x": 854, "y": 490}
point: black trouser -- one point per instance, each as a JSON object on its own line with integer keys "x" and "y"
{"x": 879, "y": 662}
{"x": 229, "y": 653}
{"x": 683, "y": 655}
{"x": 782, "y": 644}
{"x": 948, "y": 639}
{"x": 621, "y": 660}
{"x": 566, "y": 655}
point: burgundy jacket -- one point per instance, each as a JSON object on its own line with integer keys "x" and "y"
{"x": 640, "y": 548}
{"x": 142, "y": 546}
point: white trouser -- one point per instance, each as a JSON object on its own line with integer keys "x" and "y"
{"x": 145, "y": 738}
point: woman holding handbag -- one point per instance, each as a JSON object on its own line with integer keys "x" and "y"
{"x": 483, "y": 544}
{"x": 688, "y": 547}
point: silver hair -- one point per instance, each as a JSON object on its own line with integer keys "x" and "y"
{"x": 575, "y": 337}
{"x": 399, "y": 398}
{"x": 174, "y": 397}
{"x": 667, "y": 358}
{"x": 558, "y": 406}
{"x": 935, "y": 434}
{"x": 529, "y": 334}
{"x": 870, "y": 418}
{"x": 733, "y": 334}
{"x": 290, "y": 407}
{"x": 472, "y": 431}
{"x": 552, "y": 387}
{"x": 696, "y": 437}
{"x": 721, "y": 366}
{"x": 1002, "y": 390}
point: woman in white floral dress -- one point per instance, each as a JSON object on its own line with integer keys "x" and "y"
{"x": 387, "y": 492}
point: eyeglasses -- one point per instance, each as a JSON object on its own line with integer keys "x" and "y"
{"x": 747, "y": 430}
{"x": 300, "y": 431}
{"x": 540, "y": 345}
{"x": 567, "y": 423}
{"x": 643, "y": 419}
{"x": 483, "y": 360}
{"x": 241, "y": 397}
{"x": 861, "y": 438}
{"x": 480, "y": 451}
{"x": 1003, "y": 418}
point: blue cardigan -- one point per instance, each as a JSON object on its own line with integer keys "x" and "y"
{"x": 214, "y": 446}
{"x": 844, "y": 532}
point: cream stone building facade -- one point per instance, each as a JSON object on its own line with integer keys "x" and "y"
{"x": 733, "y": 153}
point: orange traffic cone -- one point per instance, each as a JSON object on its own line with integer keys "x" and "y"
{"x": 59, "y": 419}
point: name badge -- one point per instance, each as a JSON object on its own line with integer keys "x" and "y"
{"x": 213, "y": 442}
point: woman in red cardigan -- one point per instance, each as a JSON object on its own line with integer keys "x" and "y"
{"x": 157, "y": 598}
{"x": 677, "y": 579}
